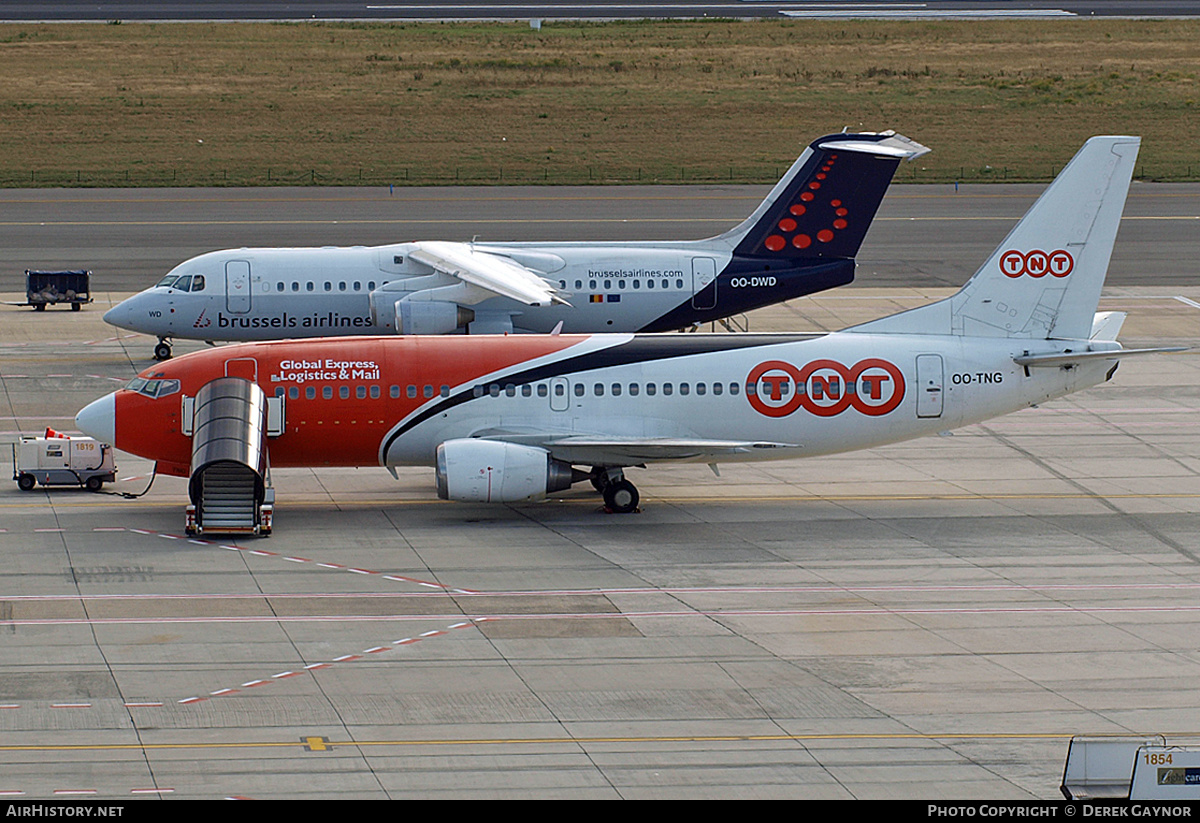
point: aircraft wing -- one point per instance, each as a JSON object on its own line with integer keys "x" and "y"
{"x": 492, "y": 272}
{"x": 633, "y": 451}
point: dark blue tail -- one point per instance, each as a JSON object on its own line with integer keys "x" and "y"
{"x": 824, "y": 205}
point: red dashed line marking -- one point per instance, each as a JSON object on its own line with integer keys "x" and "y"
{"x": 65, "y": 792}
{"x": 145, "y": 705}
{"x": 346, "y": 658}
{"x": 151, "y": 791}
{"x": 70, "y": 705}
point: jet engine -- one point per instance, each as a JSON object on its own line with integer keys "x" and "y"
{"x": 431, "y": 317}
{"x": 491, "y": 471}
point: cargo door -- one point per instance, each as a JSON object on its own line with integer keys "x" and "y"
{"x": 704, "y": 283}
{"x": 929, "y": 385}
{"x": 237, "y": 286}
{"x": 243, "y": 367}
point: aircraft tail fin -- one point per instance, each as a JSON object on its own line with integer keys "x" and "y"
{"x": 1044, "y": 280}
{"x": 824, "y": 204}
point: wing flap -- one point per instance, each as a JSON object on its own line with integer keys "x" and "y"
{"x": 500, "y": 275}
{"x": 633, "y": 451}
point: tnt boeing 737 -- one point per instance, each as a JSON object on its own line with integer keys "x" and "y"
{"x": 803, "y": 238}
{"x": 513, "y": 418}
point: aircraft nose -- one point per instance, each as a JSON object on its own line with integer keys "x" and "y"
{"x": 98, "y": 419}
{"x": 119, "y": 314}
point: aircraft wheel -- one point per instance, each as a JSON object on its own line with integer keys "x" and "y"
{"x": 76, "y": 307}
{"x": 93, "y": 484}
{"x": 621, "y": 497}
{"x": 26, "y": 482}
{"x": 39, "y": 306}
{"x": 162, "y": 351}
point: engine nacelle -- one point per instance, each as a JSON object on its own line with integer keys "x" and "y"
{"x": 430, "y": 317}
{"x": 491, "y": 471}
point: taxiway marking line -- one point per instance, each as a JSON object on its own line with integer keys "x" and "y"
{"x": 707, "y": 614}
{"x": 504, "y": 221}
{"x": 542, "y": 741}
{"x": 387, "y": 502}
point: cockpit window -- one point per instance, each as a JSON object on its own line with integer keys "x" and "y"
{"x": 153, "y": 388}
{"x": 198, "y": 282}
{"x": 169, "y": 280}
{"x": 184, "y": 283}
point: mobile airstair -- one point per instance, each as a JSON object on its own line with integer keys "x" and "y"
{"x": 230, "y": 474}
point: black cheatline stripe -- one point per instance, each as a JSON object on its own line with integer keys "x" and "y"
{"x": 641, "y": 349}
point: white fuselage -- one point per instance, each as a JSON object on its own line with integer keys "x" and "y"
{"x": 749, "y": 394}
{"x": 267, "y": 293}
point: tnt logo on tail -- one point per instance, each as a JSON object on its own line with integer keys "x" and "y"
{"x": 1036, "y": 263}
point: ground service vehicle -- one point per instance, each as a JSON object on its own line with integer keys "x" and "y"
{"x": 57, "y": 460}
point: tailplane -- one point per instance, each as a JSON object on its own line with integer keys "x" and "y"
{"x": 825, "y": 202}
{"x": 1044, "y": 280}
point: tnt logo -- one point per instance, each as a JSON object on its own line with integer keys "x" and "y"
{"x": 825, "y": 387}
{"x": 1037, "y": 263}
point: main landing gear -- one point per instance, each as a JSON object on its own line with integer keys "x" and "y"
{"x": 620, "y": 496}
{"x": 163, "y": 350}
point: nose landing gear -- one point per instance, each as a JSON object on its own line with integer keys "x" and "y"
{"x": 163, "y": 350}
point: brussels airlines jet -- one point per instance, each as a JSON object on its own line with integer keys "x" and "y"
{"x": 518, "y": 417}
{"x": 801, "y": 239}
